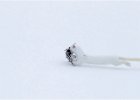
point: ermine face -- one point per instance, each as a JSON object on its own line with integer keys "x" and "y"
{"x": 74, "y": 54}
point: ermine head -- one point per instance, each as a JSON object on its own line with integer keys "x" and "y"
{"x": 75, "y": 55}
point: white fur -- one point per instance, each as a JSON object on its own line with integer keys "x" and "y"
{"x": 79, "y": 58}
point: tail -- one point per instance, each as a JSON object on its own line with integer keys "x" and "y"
{"x": 131, "y": 59}
{"x": 127, "y": 60}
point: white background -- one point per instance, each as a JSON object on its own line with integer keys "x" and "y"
{"x": 34, "y": 35}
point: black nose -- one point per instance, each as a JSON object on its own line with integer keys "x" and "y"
{"x": 68, "y": 54}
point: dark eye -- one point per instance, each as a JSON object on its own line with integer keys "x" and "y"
{"x": 73, "y": 46}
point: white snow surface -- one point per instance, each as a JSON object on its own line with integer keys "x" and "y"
{"x": 34, "y": 35}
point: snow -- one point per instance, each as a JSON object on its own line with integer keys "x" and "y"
{"x": 34, "y": 35}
